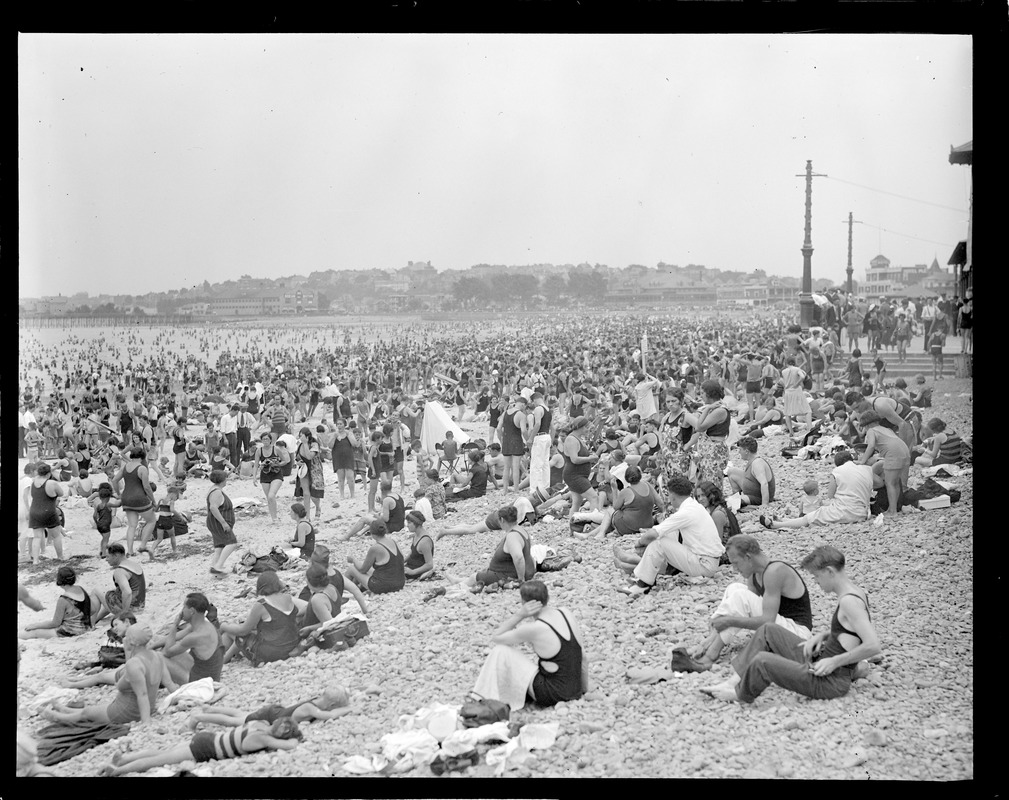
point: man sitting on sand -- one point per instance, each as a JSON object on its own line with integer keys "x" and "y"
{"x": 821, "y": 667}
{"x": 130, "y": 582}
{"x": 687, "y": 539}
{"x": 772, "y": 591}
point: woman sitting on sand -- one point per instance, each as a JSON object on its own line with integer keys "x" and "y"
{"x": 76, "y": 609}
{"x": 137, "y": 683}
{"x": 420, "y": 563}
{"x": 304, "y": 532}
{"x": 323, "y": 603}
{"x": 561, "y": 671}
{"x": 283, "y": 734}
{"x": 382, "y": 568}
{"x": 270, "y": 630}
{"x": 633, "y": 508}
{"x": 945, "y": 447}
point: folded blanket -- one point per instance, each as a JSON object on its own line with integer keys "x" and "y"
{"x": 60, "y": 741}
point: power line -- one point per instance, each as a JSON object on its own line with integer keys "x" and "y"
{"x": 905, "y": 235}
{"x": 894, "y": 194}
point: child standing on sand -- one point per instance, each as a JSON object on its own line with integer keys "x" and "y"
{"x": 935, "y": 341}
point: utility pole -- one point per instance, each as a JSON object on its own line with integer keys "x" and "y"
{"x": 806, "y": 294}
{"x": 850, "y": 221}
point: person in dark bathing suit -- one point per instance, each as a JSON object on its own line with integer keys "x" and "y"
{"x": 382, "y": 568}
{"x": 561, "y": 672}
{"x": 270, "y": 631}
{"x": 420, "y": 562}
{"x": 821, "y": 667}
{"x": 195, "y": 634}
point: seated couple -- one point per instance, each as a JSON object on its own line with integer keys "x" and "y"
{"x": 687, "y": 540}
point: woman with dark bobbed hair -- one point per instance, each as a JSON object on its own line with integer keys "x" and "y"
{"x": 270, "y": 630}
{"x": 75, "y": 610}
{"x": 44, "y": 518}
{"x": 633, "y": 506}
{"x": 578, "y": 461}
{"x": 710, "y": 454}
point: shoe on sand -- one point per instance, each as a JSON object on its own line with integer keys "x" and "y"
{"x": 681, "y": 661}
{"x": 634, "y": 590}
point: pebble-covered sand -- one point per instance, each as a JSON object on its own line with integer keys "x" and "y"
{"x": 911, "y": 719}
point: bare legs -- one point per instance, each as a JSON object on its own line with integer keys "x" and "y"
{"x": 143, "y": 760}
{"x": 512, "y": 472}
{"x": 221, "y": 555}
{"x": 345, "y": 476}
{"x": 270, "y": 490}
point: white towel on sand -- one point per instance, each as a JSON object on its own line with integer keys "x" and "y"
{"x": 505, "y": 676}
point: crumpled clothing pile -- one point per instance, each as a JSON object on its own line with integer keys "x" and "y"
{"x": 824, "y": 447}
{"x": 534, "y": 736}
{"x": 51, "y": 694}
{"x": 200, "y": 691}
{"x": 437, "y": 730}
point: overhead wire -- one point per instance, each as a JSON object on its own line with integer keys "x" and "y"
{"x": 894, "y": 194}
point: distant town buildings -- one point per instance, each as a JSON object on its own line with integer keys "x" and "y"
{"x": 884, "y": 280}
{"x": 420, "y": 287}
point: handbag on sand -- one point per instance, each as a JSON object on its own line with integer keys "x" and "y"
{"x": 484, "y": 711}
{"x": 342, "y": 635}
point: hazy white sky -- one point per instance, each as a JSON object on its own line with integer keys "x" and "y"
{"x": 152, "y": 162}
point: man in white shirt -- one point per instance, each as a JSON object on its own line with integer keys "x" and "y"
{"x": 540, "y": 421}
{"x": 927, "y": 315}
{"x": 644, "y": 400}
{"x": 229, "y": 429}
{"x": 687, "y": 540}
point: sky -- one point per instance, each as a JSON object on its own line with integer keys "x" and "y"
{"x": 151, "y": 162}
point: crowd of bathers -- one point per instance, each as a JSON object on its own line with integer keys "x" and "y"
{"x": 623, "y": 424}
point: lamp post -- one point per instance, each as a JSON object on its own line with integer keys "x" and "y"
{"x": 806, "y": 293}
{"x": 849, "y": 270}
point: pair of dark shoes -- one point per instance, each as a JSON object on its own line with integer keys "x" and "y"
{"x": 443, "y": 764}
{"x": 767, "y": 520}
{"x": 683, "y": 662}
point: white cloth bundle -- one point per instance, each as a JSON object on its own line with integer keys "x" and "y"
{"x": 534, "y": 736}
{"x": 198, "y": 692}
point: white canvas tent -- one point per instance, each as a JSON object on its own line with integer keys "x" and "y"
{"x": 436, "y": 422}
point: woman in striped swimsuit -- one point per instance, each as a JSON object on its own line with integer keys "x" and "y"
{"x": 252, "y": 737}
